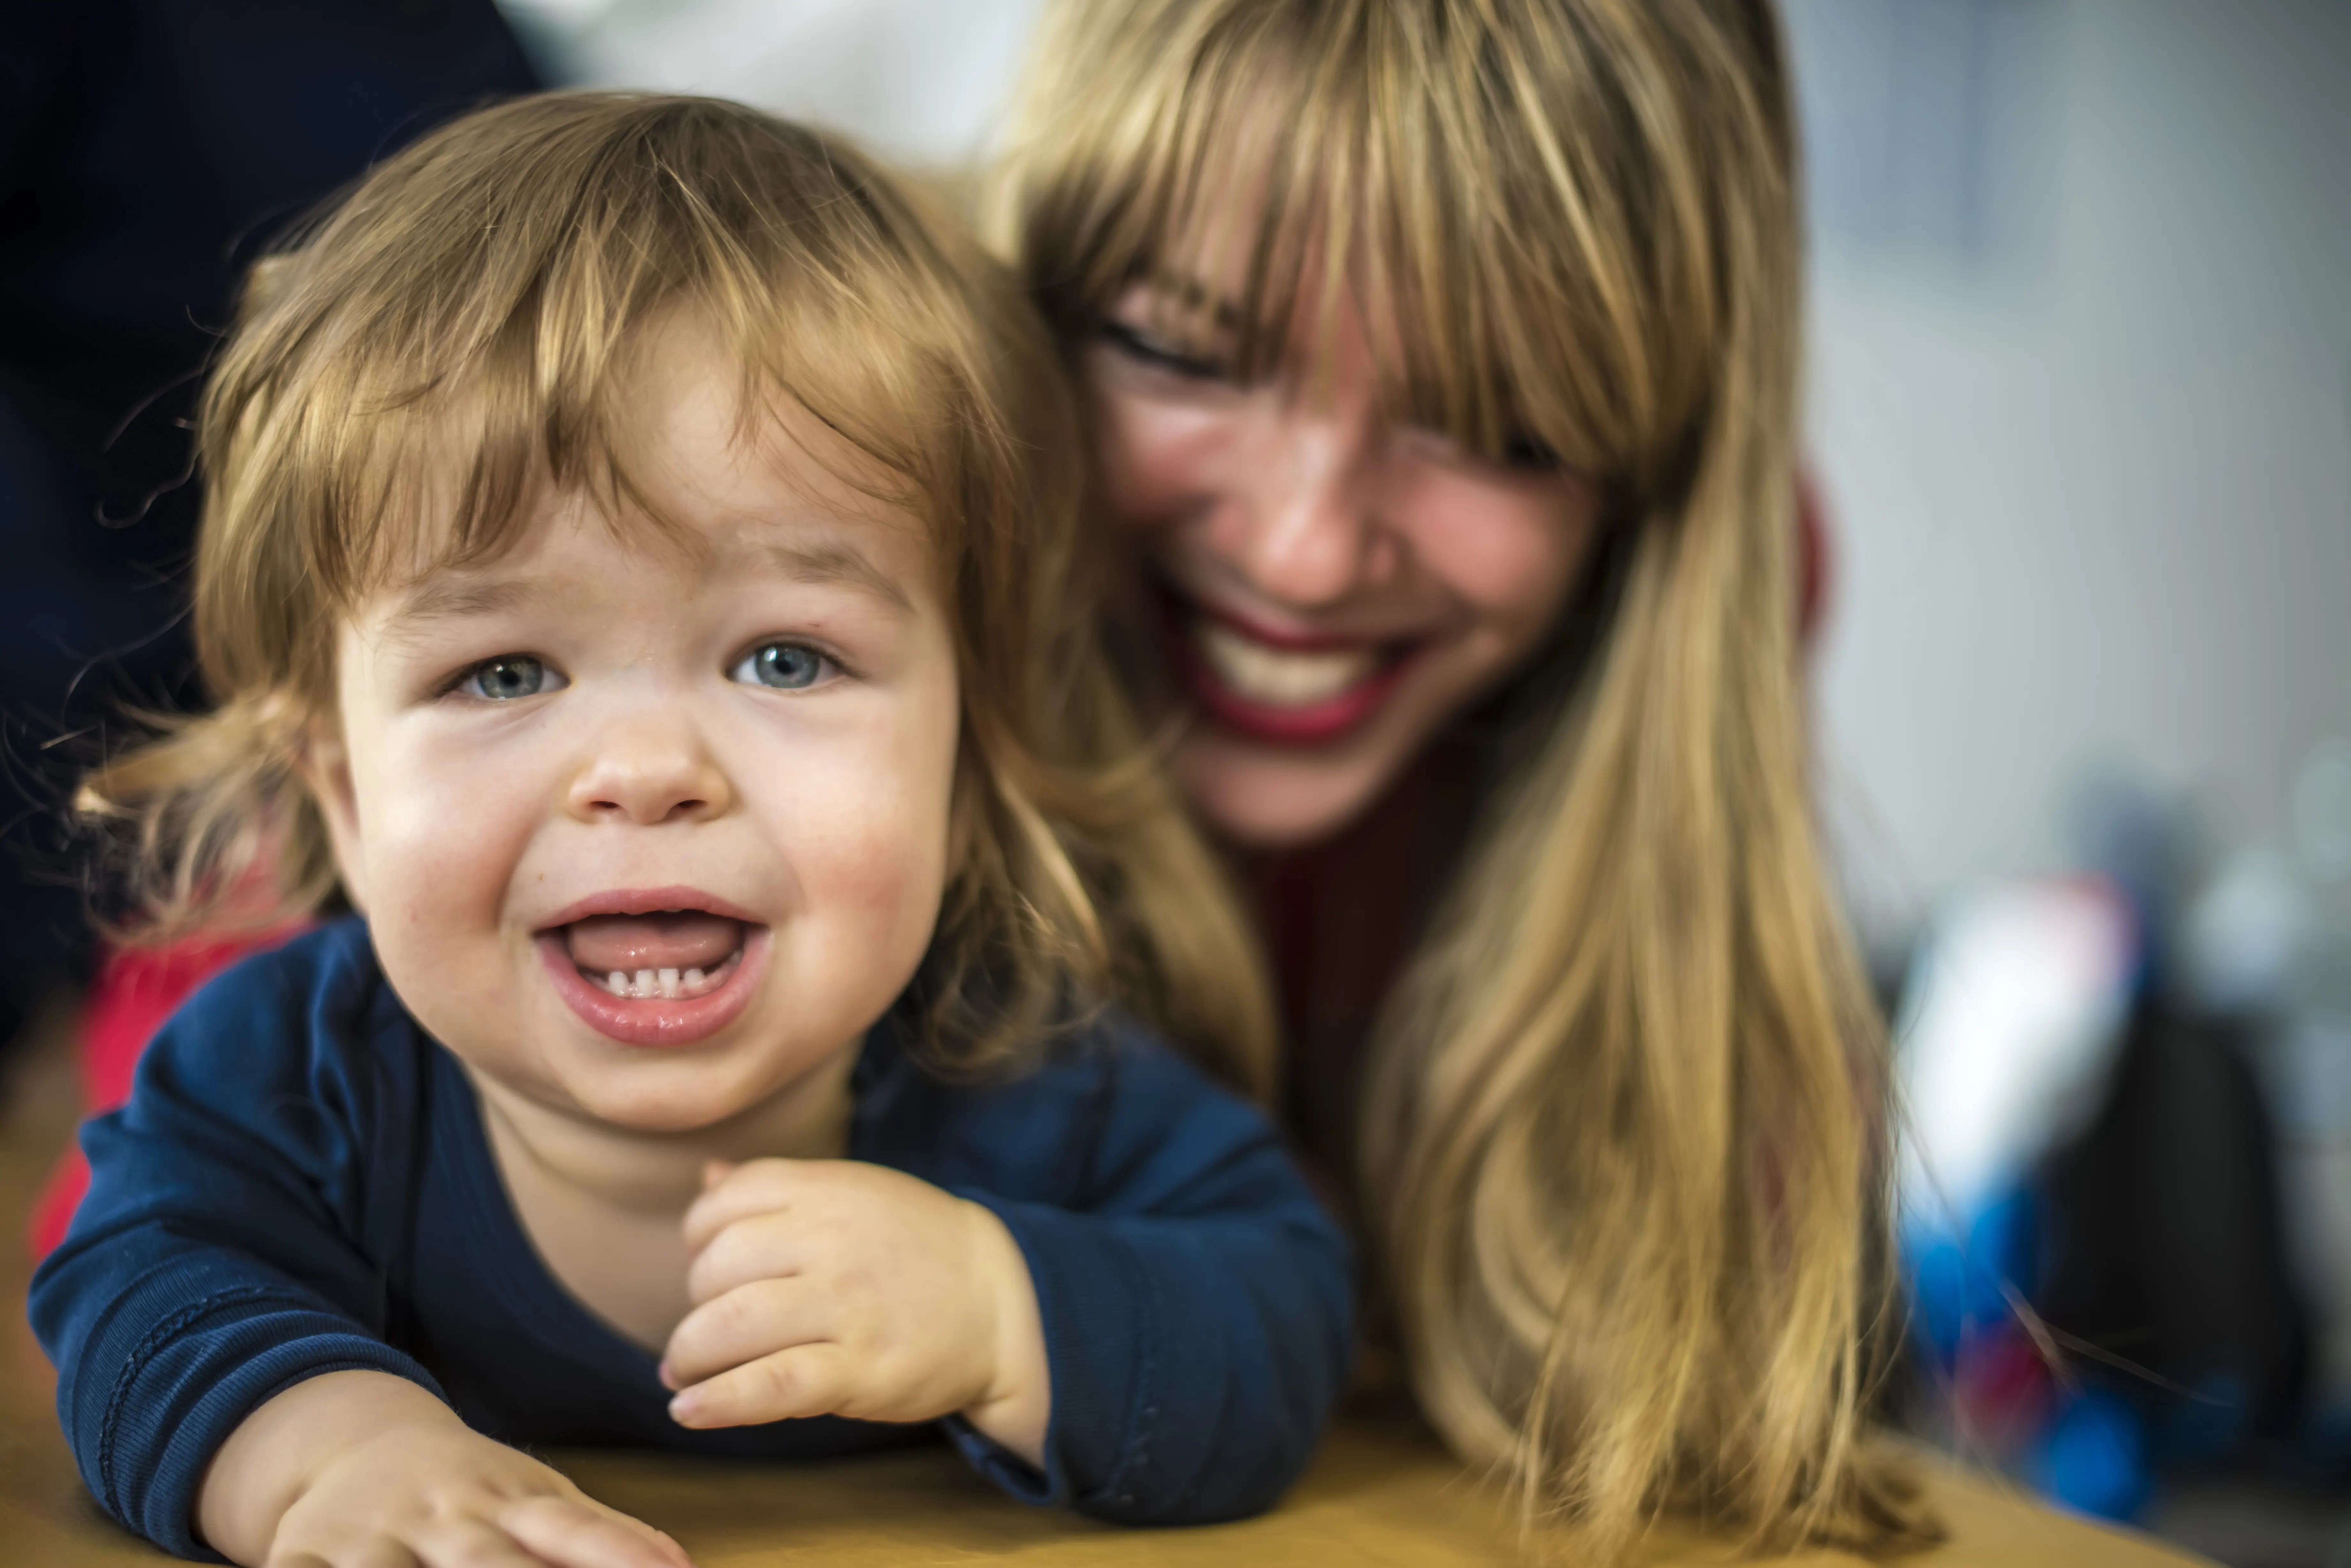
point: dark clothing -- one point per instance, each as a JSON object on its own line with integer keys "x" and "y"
{"x": 148, "y": 150}
{"x": 1341, "y": 920}
{"x": 301, "y": 1183}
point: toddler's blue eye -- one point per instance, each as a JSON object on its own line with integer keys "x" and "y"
{"x": 786, "y": 666}
{"x": 509, "y": 675}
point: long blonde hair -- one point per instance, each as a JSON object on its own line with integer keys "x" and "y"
{"x": 474, "y": 304}
{"x": 1621, "y": 1129}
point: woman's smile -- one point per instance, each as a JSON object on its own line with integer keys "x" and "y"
{"x": 1282, "y": 687}
{"x": 1331, "y": 588}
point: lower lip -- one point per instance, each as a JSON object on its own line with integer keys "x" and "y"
{"x": 656, "y": 1021}
{"x": 1313, "y": 724}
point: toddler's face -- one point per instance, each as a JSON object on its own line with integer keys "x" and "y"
{"x": 646, "y": 828}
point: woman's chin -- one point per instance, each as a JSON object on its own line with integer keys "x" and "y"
{"x": 1264, "y": 797}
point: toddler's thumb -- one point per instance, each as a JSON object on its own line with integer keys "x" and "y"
{"x": 715, "y": 1171}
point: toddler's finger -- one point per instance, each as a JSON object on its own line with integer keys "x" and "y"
{"x": 806, "y": 1380}
{"x": 380, "y": 1553}
{"x": 753, "y": 1320}
{"x": 573, "y": 1532}
{"x": 752, "y": 1187}
{"x": 775, "y": 1245}
{"x": 465, "y": 1541}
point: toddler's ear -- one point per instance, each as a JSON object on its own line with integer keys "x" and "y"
{"x": 324, "y": 764}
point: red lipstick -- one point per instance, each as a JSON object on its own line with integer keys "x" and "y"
{"x": 1300, "y": 725}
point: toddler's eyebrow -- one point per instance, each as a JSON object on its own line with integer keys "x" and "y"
{"x": 450, "y": 598}
{"x": 827, "y": 562}
{"x": 836, "y": 564}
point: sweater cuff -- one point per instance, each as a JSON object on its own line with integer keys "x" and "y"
{"x": 1100, "y": 1313}
{"x": 1013, "y": 1476}
{"x": 180, "y": 1396}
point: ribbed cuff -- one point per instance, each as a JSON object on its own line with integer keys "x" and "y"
{"x": 1102, "y": 1352}
{"x": 193, "y": 1378}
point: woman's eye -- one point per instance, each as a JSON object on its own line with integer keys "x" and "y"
{"x": 1530, "y": 454}
{"x": 1142, "y": 347}
{"x": 784, "y": 666}
{"x": 507, "y": 676}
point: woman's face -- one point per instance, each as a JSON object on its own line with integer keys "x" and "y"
{"x": 1326, "y": 587}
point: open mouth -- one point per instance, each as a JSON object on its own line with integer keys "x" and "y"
{"x": 1294, "y": 691}
{"x": 669, "y": 955}
{"x": 656, "y": 967}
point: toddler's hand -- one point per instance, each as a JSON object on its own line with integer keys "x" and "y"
{"x": 827, "y": 1287}
{"x": 452, "y": 1499}
{"x": 369, "y": 1471}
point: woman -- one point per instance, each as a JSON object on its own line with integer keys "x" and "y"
{"x": 1443, "y": 358}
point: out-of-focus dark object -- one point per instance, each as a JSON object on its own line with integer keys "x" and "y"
{"x": 2123, "y": 1213}
{"x": 148, "y": 150}
{"x": 2163, "y": 1244}
{"x": 2168, "y": 1250}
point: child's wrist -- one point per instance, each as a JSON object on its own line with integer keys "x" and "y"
{"x": 277, "y": 1453}
{"x": 1016, "y": 1403}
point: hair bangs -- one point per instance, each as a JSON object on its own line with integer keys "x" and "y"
{"x": 1316, "y": 156}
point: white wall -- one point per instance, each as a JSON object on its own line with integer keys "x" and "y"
{"x": 2088, "y": 440}
{"x": 921, "y": 81}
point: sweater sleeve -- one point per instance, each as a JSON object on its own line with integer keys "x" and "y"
{"x": 220, "y": 1255}
{"x": 1196, "y": 1302}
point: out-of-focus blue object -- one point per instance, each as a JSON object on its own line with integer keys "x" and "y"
{"x": 2094, "y": 1459}
{"x": 2011, "y": 1020}
{"x": 1961, "y": 1285}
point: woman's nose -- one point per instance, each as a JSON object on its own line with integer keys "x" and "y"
{"x": 1306, "y": 529}
{"x": 649, "y": 772}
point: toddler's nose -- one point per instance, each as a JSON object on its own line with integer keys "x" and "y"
{"x": 649, "y": 773}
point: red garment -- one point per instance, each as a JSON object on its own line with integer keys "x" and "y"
{"x": 136, "y": 989}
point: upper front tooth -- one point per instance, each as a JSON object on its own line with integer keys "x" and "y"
{"x": 1282, "y": 676}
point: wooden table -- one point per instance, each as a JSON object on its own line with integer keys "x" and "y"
{"x": 1376, "y": 1495}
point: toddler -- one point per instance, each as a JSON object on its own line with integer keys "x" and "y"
{"x": 639, "y": 576}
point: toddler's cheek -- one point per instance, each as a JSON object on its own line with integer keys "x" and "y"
{"x": 884, "y": 889}
{"x": 440, "y": 877}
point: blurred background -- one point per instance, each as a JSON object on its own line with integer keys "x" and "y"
{"x": 2080, "y": 412}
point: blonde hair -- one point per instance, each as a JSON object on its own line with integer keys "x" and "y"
{"x": 1620, "y": 1142}
{"x": 479, "y": 296}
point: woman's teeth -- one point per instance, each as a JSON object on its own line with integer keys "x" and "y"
{"x": 669, "y": 985}
{"x": 1282, "y": 677}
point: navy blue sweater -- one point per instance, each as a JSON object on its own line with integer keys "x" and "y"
{"x": 301, "y": 1184}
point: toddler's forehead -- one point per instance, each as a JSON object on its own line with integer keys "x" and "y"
{"x": 562, "y": 545}
{"x": 685, "y": 483}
